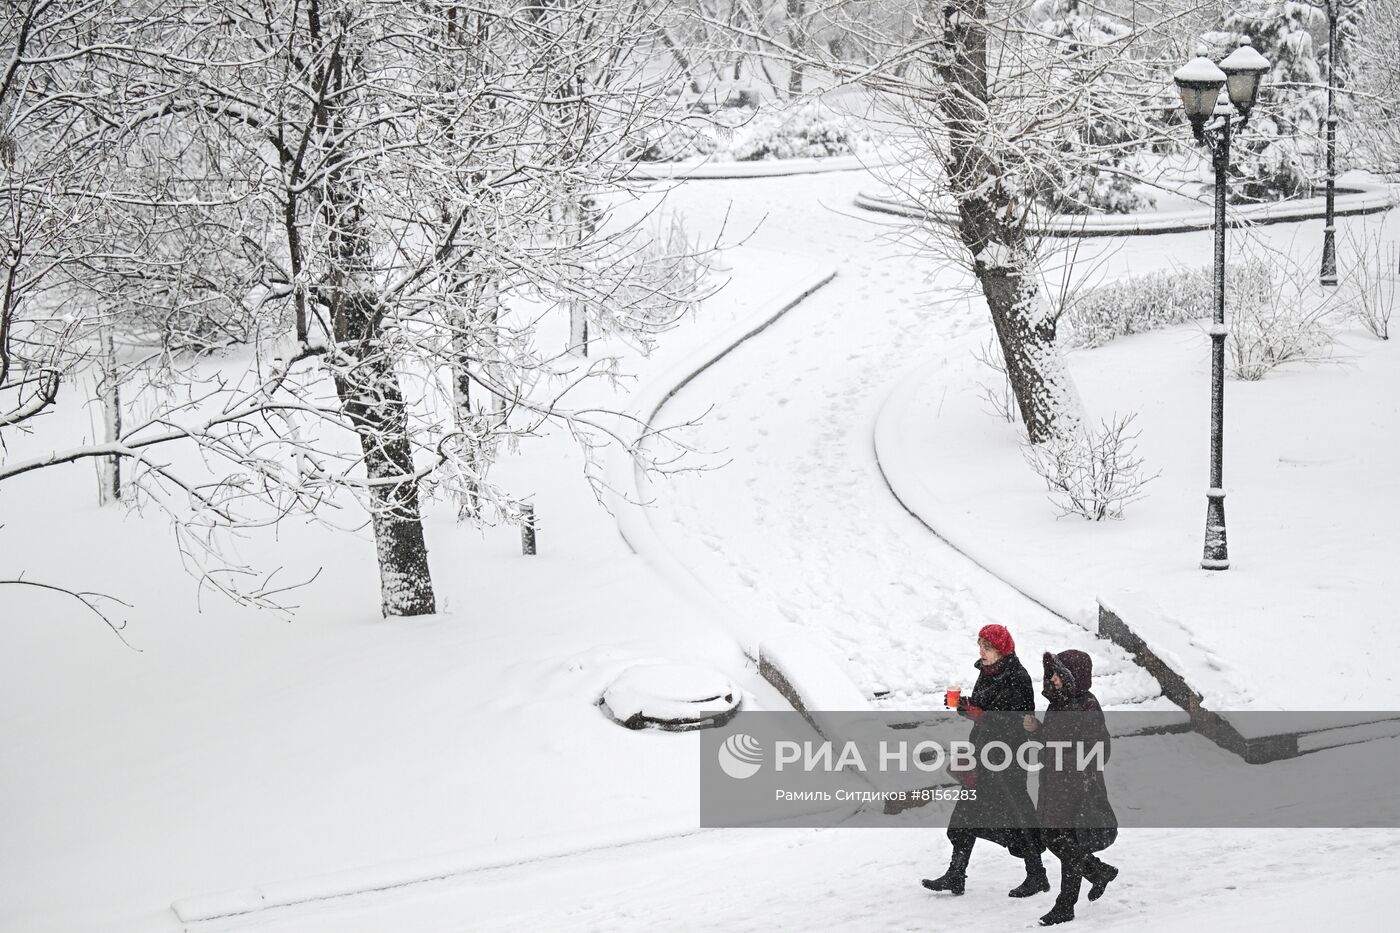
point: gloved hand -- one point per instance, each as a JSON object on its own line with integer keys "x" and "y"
{"x": 965, "y": 708}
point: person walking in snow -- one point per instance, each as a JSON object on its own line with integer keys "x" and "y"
{"x": 1001, "y": 811}
{"x": 1076, "y": 818}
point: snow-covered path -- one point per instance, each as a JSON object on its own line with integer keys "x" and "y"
{"x": 765, "y": 880}
{"x": 1201, "y": 880}
{"x": 799, "y": 524}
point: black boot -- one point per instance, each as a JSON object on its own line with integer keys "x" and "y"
{"x": 1098, "y": 873}
{"x": 1062, "y": 912}
{"x": 955, "y": 878}
{"x": 1036, "y": 879}
{"x": 1071, "y": 873}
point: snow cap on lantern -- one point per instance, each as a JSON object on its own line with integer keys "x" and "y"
{"x": 1244, "y": 68}
{"x": 1199, "y": 81}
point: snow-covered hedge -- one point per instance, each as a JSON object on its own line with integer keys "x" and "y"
{"x": 746, "y": 134}
{"x": 1272, "y": 315}
{"x": 1160, "y": 299}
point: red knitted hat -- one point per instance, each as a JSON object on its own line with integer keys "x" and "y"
{"x": 998, "y": 637}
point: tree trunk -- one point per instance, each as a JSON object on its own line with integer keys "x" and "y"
{"x": 372, "y": 399}
{"x": 797, "y": 38}
{"x": 991, "y": 225}
{"x": 362, "y": 365}
{"x": 491, "y": 316}
{"x": 682, "y": 59}
{"x": 581, "y": 212}
{"x": 468, "y": 416}
{"x": 109, "y": 469}
{"x": 578, "y": 328}
{"x": 1045, "y": 392}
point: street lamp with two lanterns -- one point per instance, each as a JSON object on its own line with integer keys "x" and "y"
{"x": 1200, "y": 82}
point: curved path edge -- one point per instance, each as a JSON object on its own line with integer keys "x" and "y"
{"x": 901, "y": 479}
{"x": 626, "y": 479}
{"x": 379, "y": 879}
{"x": 1356, "y": 199}
{"x": 786, "y": 656}
{"x": 1113, "y": 614}
{"x": 709, "y": 169}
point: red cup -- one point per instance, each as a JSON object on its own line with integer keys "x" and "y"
{"x": 954, "y": 695}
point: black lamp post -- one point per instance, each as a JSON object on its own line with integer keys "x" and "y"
{"x": 1329, "y": 231}
{"x": 1200, "y": 81}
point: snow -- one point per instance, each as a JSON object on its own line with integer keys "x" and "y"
{"x": 1200, "y": 70}
{"x": 812, "y": 673}
{"x": 345, "y": 773}
{"x": 1178, "y": 208}
{"x": 229, "y": 750}
{"x": 1245, "y": 58}
{"x": 670, "y": 692}
{"x": 223, "y": 905}
{"x": 706, "y": 167}
{"x": 830, "y": 879}
{"x": 1197, "y": 880}
{"x": 798, "y": 526}
{"x": 1309, "y": 454}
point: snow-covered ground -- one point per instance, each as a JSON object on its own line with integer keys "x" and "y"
{"x": 1311, "y": 498}
{"x": 798, "y": 525}
{"x": 228, "y": 749}
{"x": 238, "y": 753}
{"x": 759, "y": 881}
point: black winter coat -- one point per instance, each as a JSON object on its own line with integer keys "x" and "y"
{"x": 1002, "y": 811}
{"x": 1074, "y": 808}
{"x": 1005, "y": 698}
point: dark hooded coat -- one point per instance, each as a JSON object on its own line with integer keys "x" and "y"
{"x": 1002, "y": 811}
{"x": 1073, "y": 808}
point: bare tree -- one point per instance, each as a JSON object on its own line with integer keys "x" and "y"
{"x": 382, "y": 201}
{"x": 1017, "y": 112}
{"x": 1000, "y": 112}
{"x": 1373, "y": 85}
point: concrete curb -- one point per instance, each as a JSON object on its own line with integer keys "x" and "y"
{"x": 706, "y": 169}
{"x": 1357, "y": 198}
{"x": 1255, "y": 750}
{"x": 808, "y": 679}
{"x": 885, "y": 427}
{"x": 379, "y": 879}
{"x": 1113, "y": 625}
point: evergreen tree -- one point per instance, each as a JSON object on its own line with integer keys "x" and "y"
{"x": 1279, "y": 155}
{"x": 1110, "y": 126}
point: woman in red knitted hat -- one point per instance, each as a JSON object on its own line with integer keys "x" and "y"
{"x": 1002, "y": 811}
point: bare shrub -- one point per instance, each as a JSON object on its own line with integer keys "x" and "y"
{"x": 1373, "y": 276}
{"x": 668, "y": 276}
{"x": 1093, "y": 473}
{"x": 1276, "y": 315}
{"x": 999, "y": 397}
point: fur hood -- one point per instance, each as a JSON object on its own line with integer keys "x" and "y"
{"x": 1076, "y": 670}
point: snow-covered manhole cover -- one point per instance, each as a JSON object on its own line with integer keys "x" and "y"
{"x": 670, "y": 696}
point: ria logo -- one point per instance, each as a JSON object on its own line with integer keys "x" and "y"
{"x": 741, "y": 756}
